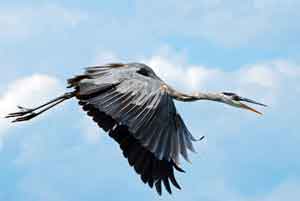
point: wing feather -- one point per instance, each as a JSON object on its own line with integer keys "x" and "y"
{"x": 140, "y": 116}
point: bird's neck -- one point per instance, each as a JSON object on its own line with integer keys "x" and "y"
{"x": 195, "y": 96}
{"x": 208, "y": 96}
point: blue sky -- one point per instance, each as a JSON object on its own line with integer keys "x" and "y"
{"x": 249, "y": 47}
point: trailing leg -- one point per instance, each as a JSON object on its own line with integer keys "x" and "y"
{"x": 28, "y": 113}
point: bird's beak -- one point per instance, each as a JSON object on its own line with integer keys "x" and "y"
{"x": 242, "y": 105}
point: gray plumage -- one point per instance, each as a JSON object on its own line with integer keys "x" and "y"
{"x": 136, "y": 108}
{"x": 134, "y": 96}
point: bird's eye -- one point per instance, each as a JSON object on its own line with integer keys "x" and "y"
{"x": 229, "y": 94}
{"x": 236, "y": 98}
{"x": 143, "y": 72}
{"x": 233, "y": 96}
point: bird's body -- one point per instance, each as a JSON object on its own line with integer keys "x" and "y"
{"x": 136, "y": 108}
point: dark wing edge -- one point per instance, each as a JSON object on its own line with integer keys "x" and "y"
{"x": 151, "y": 170}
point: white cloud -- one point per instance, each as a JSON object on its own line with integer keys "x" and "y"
{"x": 192, "y": 77}
{"x": 27, "y": 91}
{"x": 266, "y": 75}
{"x": 23, "y": 22}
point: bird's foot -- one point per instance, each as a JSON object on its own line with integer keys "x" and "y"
{"x": 23, "y": 115}
{"x": 201, "y": 138}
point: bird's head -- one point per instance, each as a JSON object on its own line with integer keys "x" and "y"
{"x": 238, "y": 101}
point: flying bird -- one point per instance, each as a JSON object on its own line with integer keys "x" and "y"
{"x": 136, "y": 108}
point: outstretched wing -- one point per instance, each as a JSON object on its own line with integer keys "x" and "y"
{"x": 137, "y": 111}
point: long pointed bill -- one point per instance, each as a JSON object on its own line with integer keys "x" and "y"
{"x": 252, "y": 101}
{"x": 249, "y": 108}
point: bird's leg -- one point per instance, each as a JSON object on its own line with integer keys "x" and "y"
{"x": 25, "y": 110}
{"x": 34, "y": 114}
{"x": 27, "y": 113}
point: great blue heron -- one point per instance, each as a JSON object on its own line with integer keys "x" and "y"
{"x": 136, "y": 108}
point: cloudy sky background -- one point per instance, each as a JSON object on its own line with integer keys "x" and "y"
{"x": 249, "y": 47}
